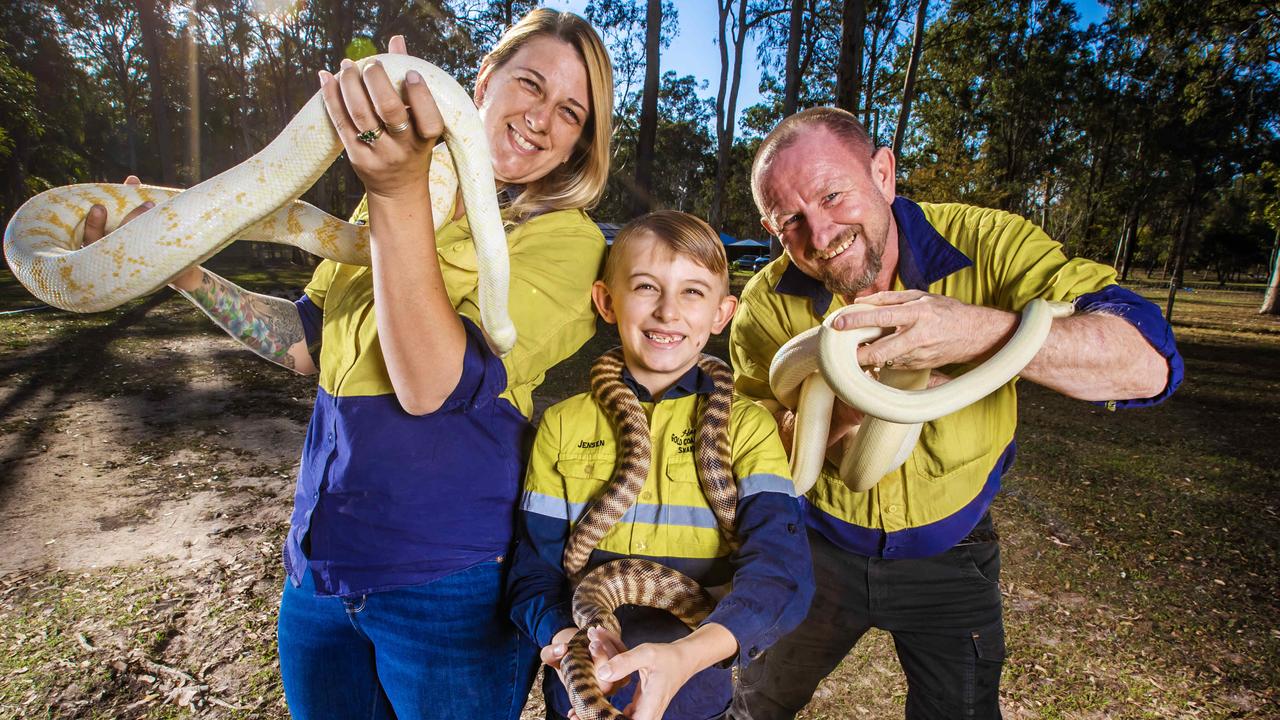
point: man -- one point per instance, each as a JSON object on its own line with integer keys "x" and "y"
{"x": 917, "y": 555}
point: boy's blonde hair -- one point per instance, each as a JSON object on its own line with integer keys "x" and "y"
{"x": 580, "y": 181}
{"x": 680, "y": 232}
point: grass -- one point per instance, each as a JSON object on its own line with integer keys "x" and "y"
{"x": 1140, "y": 547}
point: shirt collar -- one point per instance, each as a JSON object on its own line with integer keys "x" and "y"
{"x": 924, "y": 257}
{"x": 693, "y": 382}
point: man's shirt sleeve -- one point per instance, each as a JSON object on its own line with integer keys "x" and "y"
{"x": 1027, "y": 264}
{"x": 537, "y": 588}
{"x": 773, "y": 573}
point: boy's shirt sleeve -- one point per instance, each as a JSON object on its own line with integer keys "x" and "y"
{"x": 773, "y": 573}
{"x": 537, "y": 588}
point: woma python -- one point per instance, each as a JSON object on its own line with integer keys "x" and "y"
{"x": 635, "y": 581}
{"x": 255, "y": 200}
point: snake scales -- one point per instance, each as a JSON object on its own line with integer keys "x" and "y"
{"x": 635, "y": 581}
{"x": 818, "y": 365}
{"x": 255, "y": 200}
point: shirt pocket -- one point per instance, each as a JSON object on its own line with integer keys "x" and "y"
{"x": 687, "y": 524}
{"x": 585, "y": 478}
{"x": 682, "y": 469}
{"x": 952, "y": 443}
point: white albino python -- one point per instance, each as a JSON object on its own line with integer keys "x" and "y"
{"x": 255, "y": 200}
{"x": 818, "y": 365}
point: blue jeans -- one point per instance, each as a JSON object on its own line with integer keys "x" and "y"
{"x": 444, "y": 649}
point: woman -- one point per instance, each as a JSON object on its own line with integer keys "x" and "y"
{"x": 406, "y": 495}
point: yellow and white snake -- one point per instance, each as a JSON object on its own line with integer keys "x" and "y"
{"x": 255, "y": 200}
{"x": 635, "y": 581}
{"x": 818, "y": 365}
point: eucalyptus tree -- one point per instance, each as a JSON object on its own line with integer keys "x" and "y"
{"x": 909, "y": 82}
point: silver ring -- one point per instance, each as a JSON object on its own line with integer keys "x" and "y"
{"x": 369, "y": 136}
{"x": 399, "y": 127}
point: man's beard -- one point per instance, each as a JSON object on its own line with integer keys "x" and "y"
{"x": 848, "y": 287}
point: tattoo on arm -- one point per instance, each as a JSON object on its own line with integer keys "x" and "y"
{"x": 267, "y": 325}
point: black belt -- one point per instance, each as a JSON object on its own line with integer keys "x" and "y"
{"x": 980, "y": 535}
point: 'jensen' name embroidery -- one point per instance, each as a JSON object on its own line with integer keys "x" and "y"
{"x": 592, "y": 444}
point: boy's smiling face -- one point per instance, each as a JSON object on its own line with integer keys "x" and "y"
{"x": 666, "y": 306}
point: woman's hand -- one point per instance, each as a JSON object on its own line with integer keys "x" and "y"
{"x": 95, "y": 227}
{"x": 95, "y": 222}
{"x": 395, "y": 164}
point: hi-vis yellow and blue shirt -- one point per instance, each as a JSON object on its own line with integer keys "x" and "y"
{"x": 981, "y": 257}
{"x": 386, "y": 499}
{"x": 573, "y": 459}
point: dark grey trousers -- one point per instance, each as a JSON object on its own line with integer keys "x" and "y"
{"x": 944, "y": 614}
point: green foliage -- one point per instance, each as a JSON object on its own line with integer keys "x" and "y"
{"x": 1151, "y": 115}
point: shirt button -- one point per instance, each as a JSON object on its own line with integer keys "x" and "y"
{"x": 641, "y": 546}
{"x": 646, "y": 495}
{"x": 894, "y": 509}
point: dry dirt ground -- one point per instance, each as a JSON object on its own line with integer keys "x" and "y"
{"x": 146, "y": 472}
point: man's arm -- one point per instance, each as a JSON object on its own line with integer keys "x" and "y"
{"x": 1089, "y": 356}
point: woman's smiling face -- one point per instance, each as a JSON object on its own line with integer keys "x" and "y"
{"x": 534, "y": 108}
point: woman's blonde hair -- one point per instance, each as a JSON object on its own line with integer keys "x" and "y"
{"x": 580, "y": 181}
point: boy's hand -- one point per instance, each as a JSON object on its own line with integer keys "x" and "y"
{"x": 552, "y": 654}
{"x": 604, "y": 647}
{"x": 664, "y": 668}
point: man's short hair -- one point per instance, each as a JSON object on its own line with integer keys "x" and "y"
{"x": 680, "y": 232}
{"x": 841, "y": 123}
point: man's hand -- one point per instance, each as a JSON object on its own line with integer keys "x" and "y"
{"x": 931, "y": 330}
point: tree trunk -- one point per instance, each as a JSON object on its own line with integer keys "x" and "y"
{"x": 909, "y": 87}
{"x": 193, "y": 107}
{"x": 1271, "y": 301}
{"x": 1180, "y": 252}
{"x": 849, "y": 67}
{"x": 149, "y": 20}
{"x": 1130, "y": 241}
{"x": 648, "y": 131}
{"x": 726, "y": 115}
{"x": 791, "y": 93}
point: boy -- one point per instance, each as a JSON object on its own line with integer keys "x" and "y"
{"x": 665, "y": 286}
